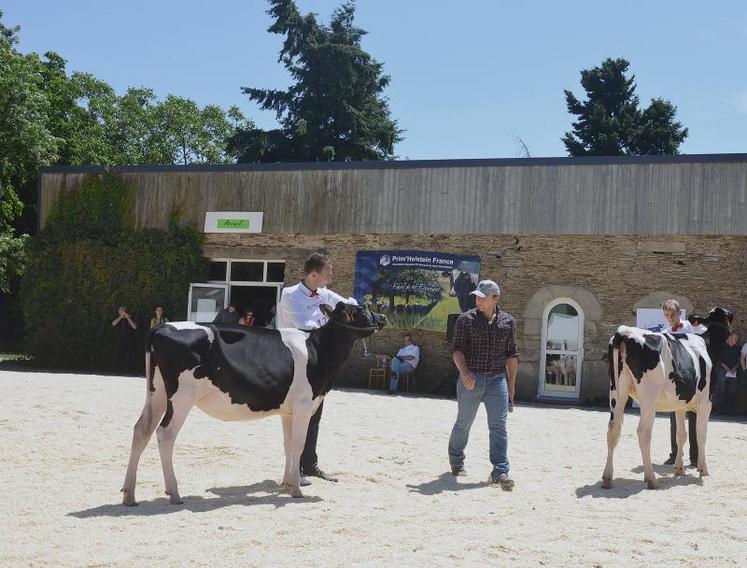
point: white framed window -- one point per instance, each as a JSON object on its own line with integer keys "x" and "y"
{"x": 246, "y": 272}
{"x": 562, "y": 349}
{"x": 254, "y": 286}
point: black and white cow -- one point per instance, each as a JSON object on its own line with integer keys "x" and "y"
{"x": 668, "y": 372}
{"x": 241, "y": 374}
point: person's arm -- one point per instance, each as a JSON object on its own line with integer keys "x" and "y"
{"x": 286, "y": 317}
{"x": 132, "y": 323}
{"x": 512, "y": 362}
{"x": 117, "y": 320}
{"x": 466, "y": 375}
{"x": 742, "y": 360}
{"x": 460, "y": 346}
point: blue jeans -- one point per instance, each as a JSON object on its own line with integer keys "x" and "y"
{"x": 727, "y": 393}
{"x": 399, "y": 368}
{"x": 492, "y": 390}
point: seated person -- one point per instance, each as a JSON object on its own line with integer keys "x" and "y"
{"x": 404, "y": 362}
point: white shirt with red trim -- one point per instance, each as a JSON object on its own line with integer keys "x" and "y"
{"x": 683, "y": 327}
{"x": 299, "y": 307}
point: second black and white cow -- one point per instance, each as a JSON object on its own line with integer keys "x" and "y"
{"x": 241, "y": 374}
{"x": 664, "y": 372}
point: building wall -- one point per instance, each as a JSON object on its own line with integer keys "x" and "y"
{"x": 545, "y": 196}
{"x": 609, "y": 276}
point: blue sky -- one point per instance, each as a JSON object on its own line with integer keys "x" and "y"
{"x": 467, "y": 77}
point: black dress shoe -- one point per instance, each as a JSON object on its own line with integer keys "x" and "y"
{"x": 670, "y": 461}
{"x": 316, "y": 472}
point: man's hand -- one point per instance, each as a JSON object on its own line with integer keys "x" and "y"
{"x": 469, "y": 381}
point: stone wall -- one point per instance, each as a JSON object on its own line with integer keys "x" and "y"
{"x": 609, "y": 277}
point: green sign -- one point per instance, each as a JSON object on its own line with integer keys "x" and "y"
{"x": 233, "y": 223}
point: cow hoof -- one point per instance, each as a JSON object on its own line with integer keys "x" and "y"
{"x": 128, "y": 498}
{"x": 704, "y": 473}
{"x": 679, "y": 471}
{"x": 651, "y": 484}
{"x": 175, "y": 499}
{"x": 606, "y": 484}
{"x": 297, "y": 494}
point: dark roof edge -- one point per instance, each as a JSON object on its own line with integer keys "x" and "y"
{"x": 406, "y": 164}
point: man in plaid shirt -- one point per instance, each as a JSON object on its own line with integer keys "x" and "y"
{"x": 485, "y": 354}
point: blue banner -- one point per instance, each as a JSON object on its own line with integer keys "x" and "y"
{"x": 416, "y": 289}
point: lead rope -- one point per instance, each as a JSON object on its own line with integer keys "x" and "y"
{"x": 366, "y": 352}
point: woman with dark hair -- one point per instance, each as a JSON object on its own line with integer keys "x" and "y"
{"x": 248, "y": 318}
{"x": 158, "y": 317}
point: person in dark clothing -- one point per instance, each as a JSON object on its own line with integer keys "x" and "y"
{"x": 228, "y": 315}
{"x": 125, "y": 341}
{"x": 727, "y": 376}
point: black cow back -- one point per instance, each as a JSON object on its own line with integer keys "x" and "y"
{"x": 252, "y": 366}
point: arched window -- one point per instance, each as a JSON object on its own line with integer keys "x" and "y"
{"x": 562, "y": 351}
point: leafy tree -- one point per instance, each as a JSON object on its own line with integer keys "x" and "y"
{"x": 610, "y": 122}
{"x": 335, "y": 110}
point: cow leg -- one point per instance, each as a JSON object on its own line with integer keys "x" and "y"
{"x": 645, "y": 428}
{"x": 182, "y": 402}
{"x": 701, "y": 428}
{"x": 155, "y": 406}
{"x": 300, "y": 425}
{"x": 287, "y": 432}
{"x": 679, "y": 466}
{"x": 617, "y": 414}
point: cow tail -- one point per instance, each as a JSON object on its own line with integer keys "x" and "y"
{"x": 613, "y": 356}
{"x": 149, "y": 366}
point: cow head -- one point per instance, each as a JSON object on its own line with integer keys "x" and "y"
{"x": 363, "y": 322}
{"x": 719, "y": 317}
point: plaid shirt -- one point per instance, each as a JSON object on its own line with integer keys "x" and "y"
{"x": 486, "y": 344}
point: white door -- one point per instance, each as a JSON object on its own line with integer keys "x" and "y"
{"x": 562, "y": 352}
{"x": 206, "y": 301}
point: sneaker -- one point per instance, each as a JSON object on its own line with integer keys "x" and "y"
{"x": 506, "y": 483}
{"x": 458, "y": 470}
{"x": 670, "y": 461}
{"x": 316, "y": 472}
{"x": 305, "y": 482}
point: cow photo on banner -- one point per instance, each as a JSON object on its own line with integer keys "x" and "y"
{"x": 416, "y": 289}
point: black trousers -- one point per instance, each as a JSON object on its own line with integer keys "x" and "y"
{"x": 691, "y": 416}
{"x": 309, "y": 459}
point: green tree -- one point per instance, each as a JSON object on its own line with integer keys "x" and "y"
{"x": 335, "y": 109}
{"x": 611, "y": 123}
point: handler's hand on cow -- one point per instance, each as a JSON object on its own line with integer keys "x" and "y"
{"x": 469, "y": 381}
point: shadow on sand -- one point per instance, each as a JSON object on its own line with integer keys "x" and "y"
{"x": 226, "y": 497}
{"x": 624, "y": 488}
{"x": 444, "y": 482}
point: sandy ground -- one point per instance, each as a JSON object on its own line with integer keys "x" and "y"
{"x": 65, "y": 442}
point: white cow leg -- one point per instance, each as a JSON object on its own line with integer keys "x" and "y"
{"x": 681, "y": 436}
{"x": 645, "y": 427}
{"x": 614, "y": 427}
{"x": 287, "y": 420}
{"x": 155, "y": 406}
{"x": 182, "y": 401}
{"x": 701, "y": 429}
{"x": 300, "y": 421}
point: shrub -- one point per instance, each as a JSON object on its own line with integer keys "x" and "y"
{"x": 88, "y": 260}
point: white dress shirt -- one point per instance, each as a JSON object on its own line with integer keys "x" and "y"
{"x": 299, "y": 307}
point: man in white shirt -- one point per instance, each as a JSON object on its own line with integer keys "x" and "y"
{"x": 299, "y": 308}
{"x": 671, "y": 310}
{"x": 404, "y": 362}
